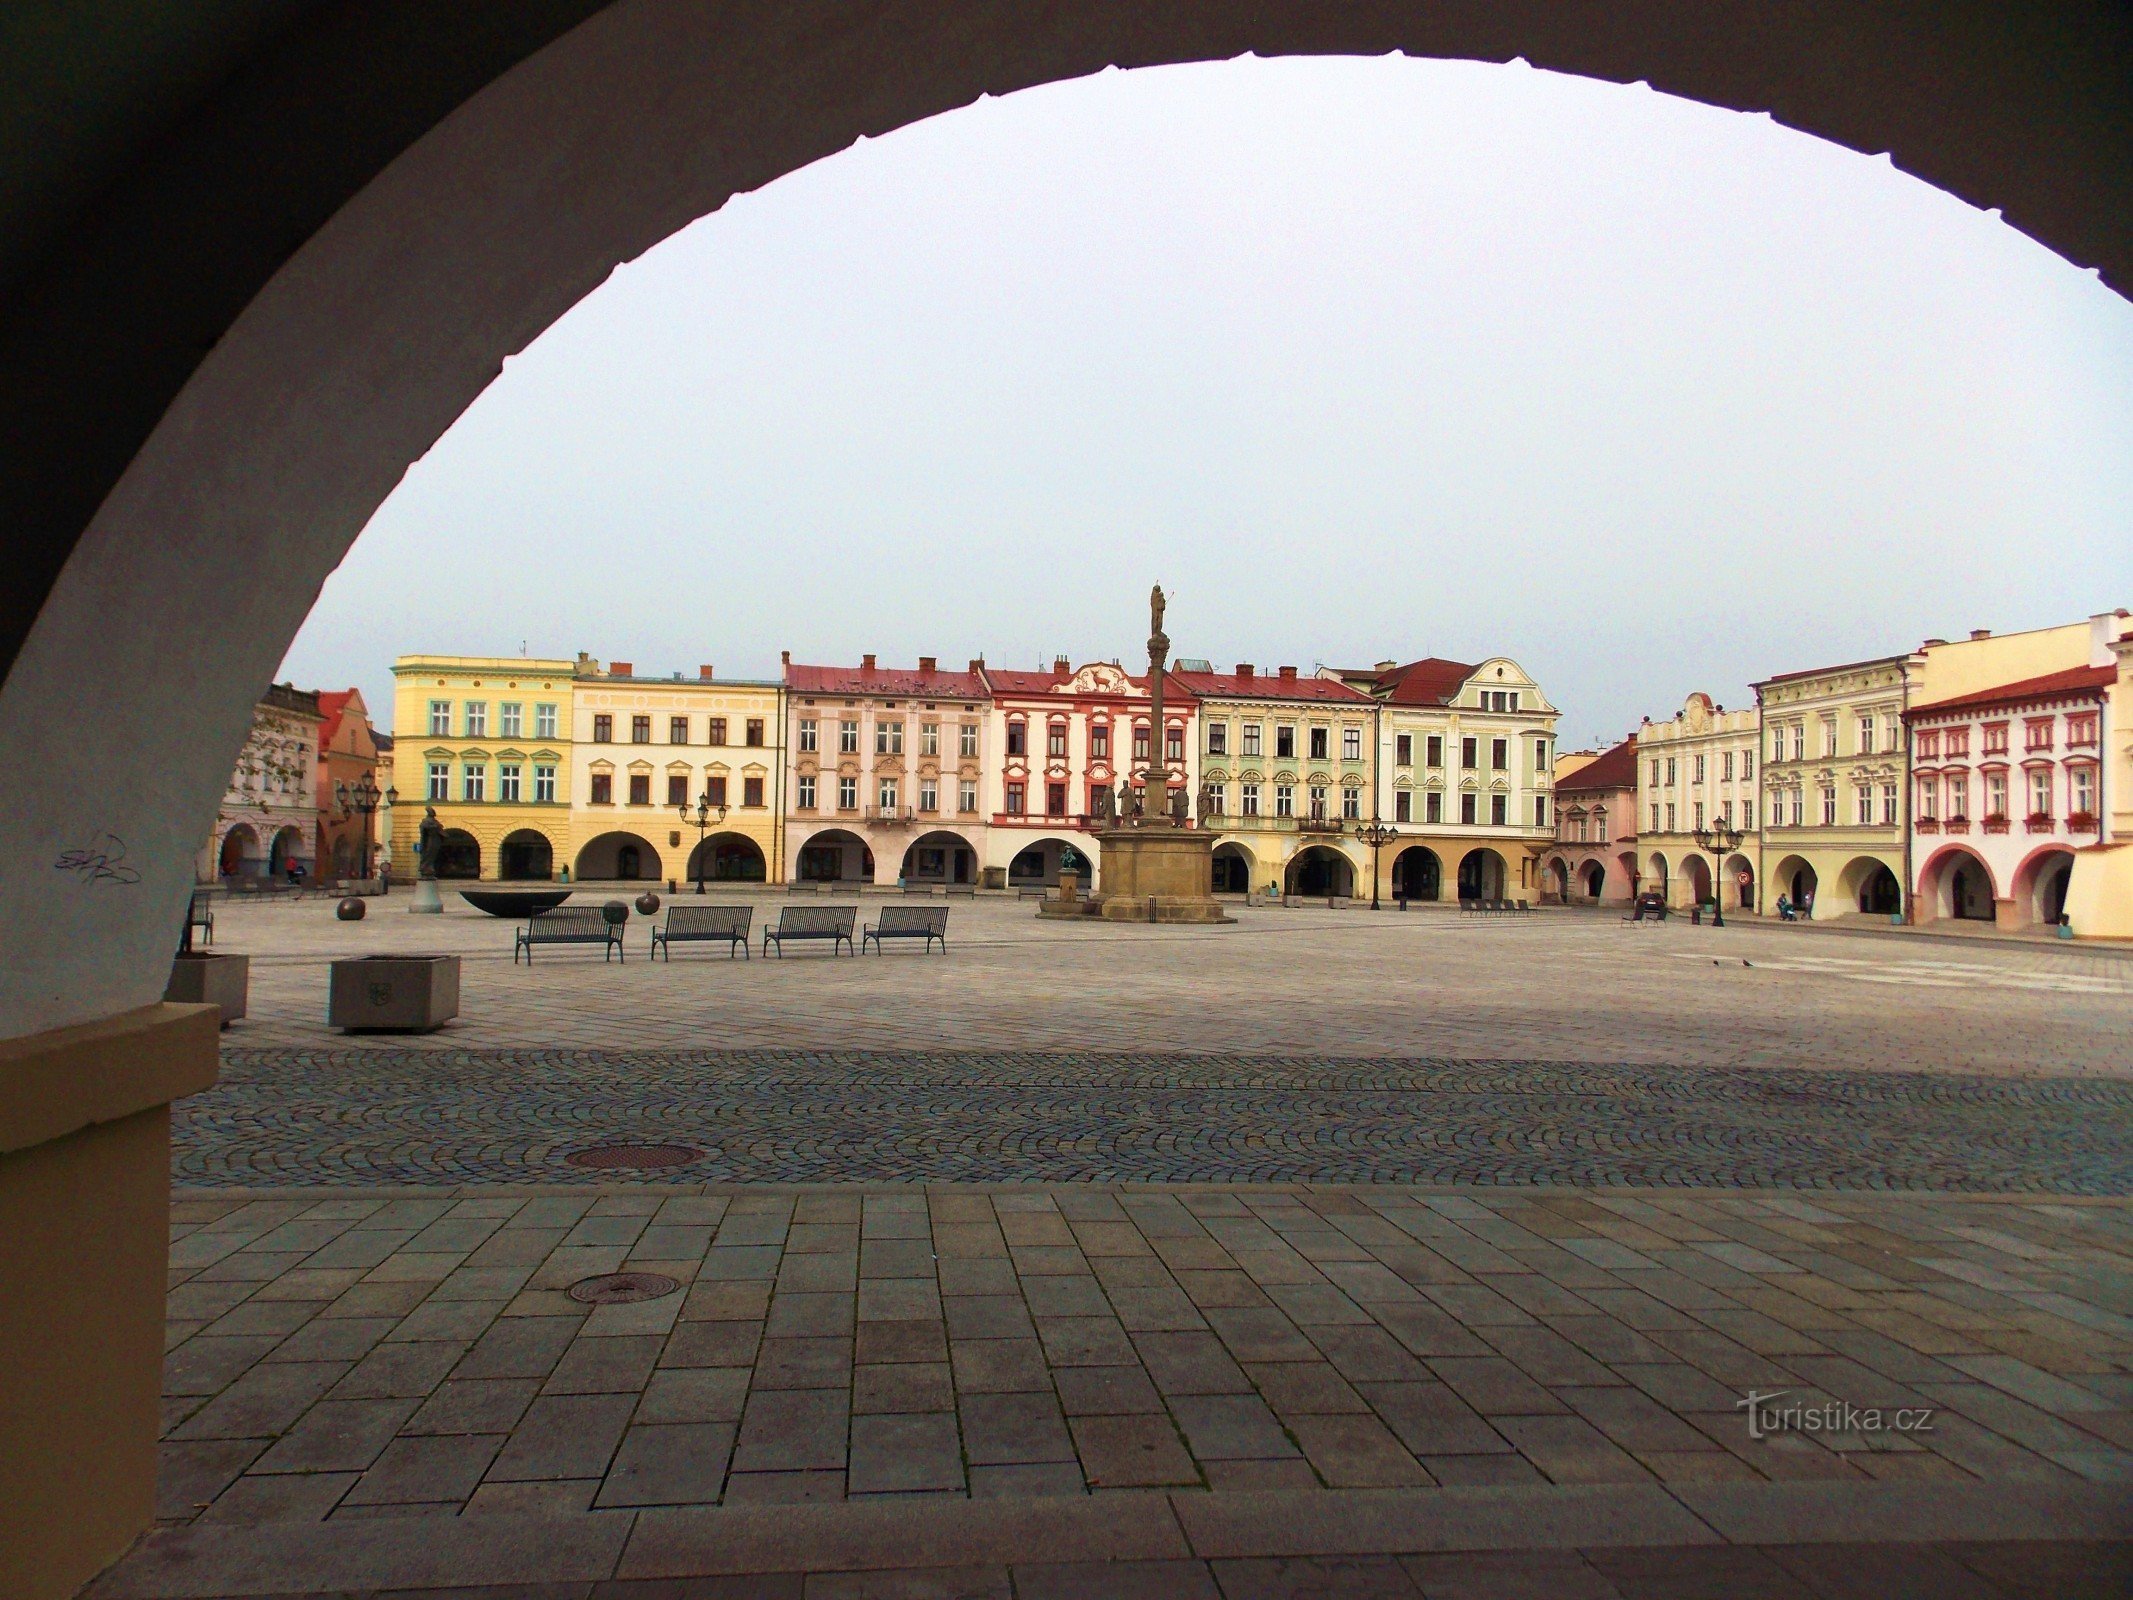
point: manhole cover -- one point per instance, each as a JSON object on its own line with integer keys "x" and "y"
{"x": 634, "y": 1155}
{"x": 622, "y": 1288}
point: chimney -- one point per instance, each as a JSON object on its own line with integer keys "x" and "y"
{"x": 1980, "y": 633}
{"x": 1062, "y": 666}
{"x": 977, "y": 664}
{"x": 866, "y": 662}
{"x": 784, "y": 658}
{"x": 1244, "y": 669}
{"x": 1930, "y": 643}
{"x": 1288, "y": 672}
{"x": 621, "y": 669}
{"x": 1386, "y": 666}
{"x": 704, "y": 672}
{"x": 927, "y": 666}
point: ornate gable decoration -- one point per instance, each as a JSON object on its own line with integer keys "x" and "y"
{"x": 1098, "y": 677}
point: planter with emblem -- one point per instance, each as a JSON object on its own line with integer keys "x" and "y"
{"x": 398, "y": 994}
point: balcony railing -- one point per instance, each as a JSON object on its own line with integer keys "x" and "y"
{"x": 1927, "y": 824}
{"x": 2041, "y": 822}
{"x": 1995, "y": 824}
{"x": 1957, "y": 825}
{"x": 2082, "y": 822}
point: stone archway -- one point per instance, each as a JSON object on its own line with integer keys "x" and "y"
{"x": 1594, "y": 875}
{"x": 1418, "y": 874}
{"x": 1482, "y": 875}
{"x": 1232, "y": 868}
{"x": 2040, "y": 885}
{"x": 526, "y": 855}
{"x": 239, "y": 852}
{"x": 942, "y": 857}
{"x": 727, "y": 858}
{"x": 1319, "y": 871}
{"x": 1956, "y": 885}
{"x": 619, "y": 856}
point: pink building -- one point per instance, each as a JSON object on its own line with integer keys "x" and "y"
{"x": 2006, "y": 784}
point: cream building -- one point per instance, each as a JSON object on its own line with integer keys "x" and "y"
{"x": 650, "y": 756}
{"x": 1696, "y": 768}
{"x": 268, "y": 819}
{"x": 1835, "y": 774}
{"x": 485, "y": 740}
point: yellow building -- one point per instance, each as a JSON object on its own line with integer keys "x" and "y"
{"x": 1695, "y": 769}
{"x": 1836, "y": 774}
{"x": 485, "y": 740}
{"x": 646, "y": 748}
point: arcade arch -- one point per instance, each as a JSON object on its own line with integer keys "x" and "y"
{"x": 1482, "y": 875}
{"x": 1418, "y": 874}
{"x": 526, "y": 854}
{"x": 942, "y": 857}
{"x": 727, "y": 858}
{"x": 1957, "y": 885}
{"x": 834, "y": 855}
{"x": 1233, "y": 868}
{"x": 619, "y": 857}
{"x": 1318, "y": 871}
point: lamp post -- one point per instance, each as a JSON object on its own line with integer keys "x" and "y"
{"x": 1377, "y": 835}
{"x": 1719, "y": 838}
{"x": 702, "y": 817}
{"x": 362, "y": 800}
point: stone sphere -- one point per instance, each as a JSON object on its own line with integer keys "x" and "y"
{"x": 616, "y": 911}
{"x": 648, "y": 902}
{"x": 351, "y": 909}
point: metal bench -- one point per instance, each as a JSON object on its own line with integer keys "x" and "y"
{"x": 1032, "y": 891}
{"x": 961, "y": 891}
{"x": 705, "y": 925}
{"x": 920, "y": 889}
{"x": 569, "y": 925}
{"x": 200, "y": 913}
{"x": 908, "y": 922}
{"x": 833, "y": 923}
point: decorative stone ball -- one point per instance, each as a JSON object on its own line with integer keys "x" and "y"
{"x": 351, "y": 909}
{"x": 615, "y": 911}
{"x": 648, "y": 902}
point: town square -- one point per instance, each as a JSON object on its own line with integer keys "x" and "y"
{"x": 967, "y": 802}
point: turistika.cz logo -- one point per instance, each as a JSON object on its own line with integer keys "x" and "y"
{"x": 1767, "y": 1416}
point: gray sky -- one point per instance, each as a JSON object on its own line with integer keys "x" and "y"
{"x": 1360, "y": 358}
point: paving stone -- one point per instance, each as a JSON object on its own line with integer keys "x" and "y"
{"x": 1105, "y": 1391}
{"x": 903, "y": 1386}
{"x": 999, "y": 1366}
{"x": 788, "y": 1430}
{"x": 1223, "y": 1427}
{"x": 565, "y": 1436}
{"x": 880, "y": 1342}
{"x": 337, "y": 1436}
{"x": 610, "y": 1365}
{"x": 904, "y": 1452}
{"x": 1013, "y": 1429}
{"x": 426, "y": 1469}
{"x": 1355, "y": 1452}
{"x": 669, "y": 1464}
{"x": 474, "y": 1405}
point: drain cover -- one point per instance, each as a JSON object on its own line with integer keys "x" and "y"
{"x": 634, "y": 1155}
{"x": 622, "y": 1288}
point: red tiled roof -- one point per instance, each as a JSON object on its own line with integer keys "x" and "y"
{"x": 903, "y": 682}
{"x": 1269, "y": 686}
{"x": 1432, "y": 681}
{"x": 2074, "y": 680}
{"x": 1611, "y": 769}
{"x": 1816, "y": 672}
{"x": 1176, "y": 692}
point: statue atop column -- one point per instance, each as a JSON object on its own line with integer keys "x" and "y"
{"x": 1158, "y": 780}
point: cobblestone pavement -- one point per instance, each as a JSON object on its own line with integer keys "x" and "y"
{"x": 374, "y": 1115}
{"x": 1265, "y": 1390}
{"x": 1428, "y": 984}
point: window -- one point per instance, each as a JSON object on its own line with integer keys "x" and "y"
{"x": 1957, "y": 742}
{"x": 1352, "y": 804}
{"x": 2080, "y": 728}
{"x": 1928, "y": 799}
{"x": 1725, "y": 765}
{"x": 966, "y": 795}
{"x": 677, "y": 730}
{"x": 1799, "y": 807}
{"x": 1799, "y": 741}
{"x": 544, "y": 723}
{"x": 640, "y": 788}
{"x": 1017, "y": 737}
{"x": 1777, "y": 744}
{"x": 2037, "y": 732}
{"x": 1403, "y": 749}
{"x": 477, "y": 719}
{"x": 1174, "y": 745}
{"x": 1655, "y": 817}
{"x": 929, "y": 794}
{"x": 1433, "y": 807}
{"x": 1695, "y": 769}
{"x": 1540, "y": 811}
{"x": 440, "y": 719}
{"x": 968, "y": 743}
{"x": 1929, "y": 744}
{"x": 1540, "y": 755}
{"x": 511, "y": 720}
{"x": 1888, "y": 802}
{"x": 2040, "y": 792}
{"x": 1747, "y": 765}
{"x": 806, "y": 791}
{"x": 1863, "y": 804}
{"x": 603, "y": 728}
{"x": 543, "y": 784}
{"x": 440, "y": 780}
{"x": 1252, "y": 734}
{"x": 1655, "y": 773}
{"x": 1014, "y": 799}
{"x": 1140, "y": 742}
{"x": 847, "y": 794}
{"x": 1284, "y": 799}
{"x": 1829, "y": 734}
{"x": 1671, "y": 818}
{"x": 1467, "y": 813}
{"x": 1320, "y": 740}
{"x": 473, "y": 781}
{"x": 1055, "y": 799}
{"x": 809, "y": 734}
{"x": 1599, "y": 824}
{"x": 755, "y": 733}
{"x": 1218, "y": 738}
{"x": 1351, "y": 744}
{"x": 1747, "y": 819}
{"x": 1099, "y": 741}
{"x": 1995, "y": 738}
{"x": 677, "y": 788}
{"x": 1866, "y": 734}
{"x": 848, "y": 736}
{"x": 1284, "y": 742}
{"x": 641, "y": 728}
{"x": 1055, "y": 740}
{"x": 1500, "y": 755}
{"x": 2081, "y": 783}
{"x": 603, "y": 788}
{"x": 1829, "y": 805}
{"x": 1673, "y": 772}
{"x": 886, "y": 796}
{"x": 1433, "y": 749}
{"x": 1403, "y": 805}
{"x": 1248, "y": 803}
{"x": 929, "y": 738}
{"x": 715, "y": 790}
{"x": 888, "y": 738}
{"x": 1318, "y": 802}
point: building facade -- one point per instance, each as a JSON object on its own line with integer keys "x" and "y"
{"x": 887, "y": 767}
{"x": 1288, "y": 765}
{"x": 1835, "y": 772}
{"x": 485, "y": 741}
{"x": 1698, "y": 768}
{"x": 1465, "y": 757}
{"x": 348, "y": 760}
{"x": 651, "y": 757}
{"x": 1594, "y": 859}
{"x": 267, "y": 825}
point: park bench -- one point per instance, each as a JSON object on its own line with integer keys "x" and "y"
{"x": 920, "y": 889}
{"x": 1032, "y": 891}
{"x": 200, "y": 913}
{"x": 908, "y": 922}
{"x": 833, "y": 923}
{"x": 704, "y": 925}
{"x": 569, "y": 925}
{"x": 961, "y": 891}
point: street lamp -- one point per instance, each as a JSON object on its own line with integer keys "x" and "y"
{"x": 362, "y": 800}
{"x": 1377, "y": 835}
{"x": 1719, "y": 838}
{"x": 702, "y": 818}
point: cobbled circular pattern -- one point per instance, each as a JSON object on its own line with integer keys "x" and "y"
{"x": 387, "y": 1116}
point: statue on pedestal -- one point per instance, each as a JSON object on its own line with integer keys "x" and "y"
{"x": 429, "y": 844}
{"x": 1210, "y": 803}
{"x": 1101, "y": 804}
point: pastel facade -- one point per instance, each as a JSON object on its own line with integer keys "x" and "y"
{"x": 645, "y": 748}
{"x": 1290, "y": 764}
{"x": 1465, "y": 756}
{"x": 1594, "y": 860}
{"x": 486, "y": 741}
{"x": 348, "y": 756}
{"x": 887, "y": 770}
{"x": 1696, "y": 768}
{"x": 268, "y": 820}
{"x": 1835, "y": 773}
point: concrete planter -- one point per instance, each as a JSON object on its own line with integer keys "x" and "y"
{"x": 203, "y": 978}
{"x": 402, "y": 994}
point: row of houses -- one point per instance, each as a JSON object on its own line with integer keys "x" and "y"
{"x": 1966, "y": 780}
{"x": 304, "y": 797}
{"x": 978, "y": 774}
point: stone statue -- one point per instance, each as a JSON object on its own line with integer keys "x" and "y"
{"x": 429, "y": 844}
{"x": 1157, "y": 605}
{"x": 1179, "y": 806}
{"x": 1129, "y": 800}
{"x": 1209, "y": 803}
{"x": 1100, "y": 803}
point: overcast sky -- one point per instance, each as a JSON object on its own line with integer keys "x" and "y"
{"x": 1359, "y": 358}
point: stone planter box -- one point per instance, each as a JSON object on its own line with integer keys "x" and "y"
{"x": 403, "y": 994}
{"x": 204, "y": 978}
